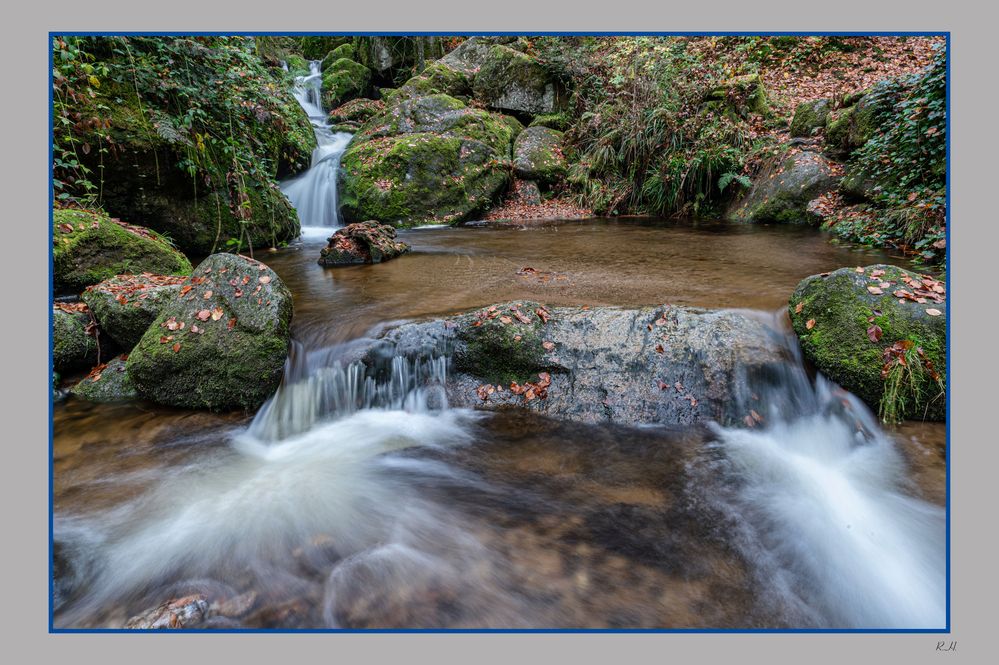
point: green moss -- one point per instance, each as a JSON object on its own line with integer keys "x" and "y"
{"x": 297, "y": 65}
{"x": 88, "y": 247}
{"x": 809, "y": 116}
{"x": 111, "y": 384}
{"x": 559, "y": 121}
{"x": 345, "y": 80}
{"x": 72, "y": 347}
{"x": 342, "y": 51}
{"x": 839, "y": 346}
{"x": 501, "y": 352}
{"x": 436, "y": 78}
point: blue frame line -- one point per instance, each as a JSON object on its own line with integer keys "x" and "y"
{"x": 51, "y": 189}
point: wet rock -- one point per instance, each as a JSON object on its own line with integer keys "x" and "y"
{"x": 667, "y": 365}
{"x": 234, "y": 606}
{"x": 426, "y": 160}
{"x": 185, "y": 612}
{"x": 126, "y": 305}
{"x": 783, "y": 189}
{"x": 810, "y": 117}
{"x": 360, "y": 243}
{"x": 537, "y": 155}
{"x": 845, "y": 320}
{"x": 221, "y": 343}
{"x": 74, "y": 338}
{"x": 108, "y": 382}
{"x": 89, "y": 247}
{"x": 437, "y": 78}
{"x": 350, "y": 116}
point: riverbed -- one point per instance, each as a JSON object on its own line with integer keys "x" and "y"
{"x": 432, "y": 517}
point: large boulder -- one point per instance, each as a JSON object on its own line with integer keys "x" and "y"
{"x": 426, "y": 160}
{"x": 89, "y": 247}
{"x": 783, "y": 189}
{"x": 345, "y": 80}
{"x": 108, "y": 382}
{"x": 537, "y": 155}
{"x": 126, "y": 305}
{"x": 664, "y": 365}
{"x": 361, "y": 243}
{"x": 341, "y": 51}
{"x": 852, "y": 126}
{"x": 74, "y": 338}
{"x": 809, "y": 117}
{"x": 435, "y": 79}
{"x": 855, "y": 323}
{"x": 511, "y": 81}
{"x": 221, "y": 342}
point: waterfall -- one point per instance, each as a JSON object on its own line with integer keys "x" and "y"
{"x": 314, "y": 192}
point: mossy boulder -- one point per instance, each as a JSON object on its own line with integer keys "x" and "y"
{"x": 833, "y": 314}
{"x": 781, "y": 192}
{"x": 436, "y": 78}
{"x": 74, "y": 341}
{"x": 537, "y": 155}
{"x": 851, "y": 127}
{"x": 89, "y": 247}
{"x": 297, "y": 65}
{"x": 511, "y": 81}
{"x": 219, "y": 345}
{"x": 426, "y": 160}
{"x": 126, "y": 305}
{"x": 345, "y": 80}
{"x": 857, "y": 184}
{"x": 739, "y": 97}
{"x": 341, "y": 51}
{"x": 107, "y": 383}
{"x": 810, "y": 117}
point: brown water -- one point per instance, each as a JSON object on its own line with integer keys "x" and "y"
{"x": 456, "y": 519}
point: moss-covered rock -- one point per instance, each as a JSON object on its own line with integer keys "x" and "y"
{"x": 436, "y": 79}
{"x": 297, "y": 65}
{"x": 345, "y": 80}
{"x": 502, "y": 343}
{"x": 361, "y": 243}
{"x": 341, "y": 51}
{"x": 425, "y": 160}
{"x": 220, "y": 344}
{"x": 809, "y": 117}
{"x": 833, "y": 313}
{"x": 537, "y": 155}
{"x": 851, "y": 127}
{"x": 89, "y": 247}
{"x": 782, "y": 190}
{"x": 74, "y": 342}
{"x": 509, "y": 80}
{"x": 107, "y": 383}
{"x": 739, "y": 97}
{"x": 858, "y": 184}
{"x": 126, "y": 305}
{"x": 558, "y": 121}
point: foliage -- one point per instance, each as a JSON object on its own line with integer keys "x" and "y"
{"x": 207, "y": 105}
{"x": 904, "y": 365}
{"x": 907, "y": 158}
{"x": 643, "y": 140}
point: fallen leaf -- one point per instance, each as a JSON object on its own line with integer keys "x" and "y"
{"x": 217, "y": 313}
{"x": 176, "y": 347}
{"x": 875, "y": 290}
{"x": 800, "y": 306}
{"x": 810, "y": 324}
{"x": 264, "y": 279}
{"x": 548, "y": 345}
{"x": 934, "y": 312}
{"x": 660, "y": 349}
{"x": 874, "y": 333}
{"x": 203, "y": 315}
{"x": 505, "y": 320}
{"x": 208, "y": 294}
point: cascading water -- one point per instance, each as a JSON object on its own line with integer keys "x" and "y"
{"x": 314, "y": 192}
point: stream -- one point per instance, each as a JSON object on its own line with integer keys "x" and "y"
{"x": 392, "y": 509}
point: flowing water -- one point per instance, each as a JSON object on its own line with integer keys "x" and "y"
{"x": 395, "y": 510}
{"x": 313, "y": 193}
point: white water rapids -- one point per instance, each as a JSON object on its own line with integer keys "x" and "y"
{"x": 314, "y": 192}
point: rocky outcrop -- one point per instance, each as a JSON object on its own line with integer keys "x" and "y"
{"x": 350, "y": 116}
{"x": 108, "y": 382}
{"x": 221, "y": 342}
{"x": 89, "y": 247}
{"x": 126, "y": 305}
{"x": 738, "y": 97}
{"x": 361, "y": 243}
{"x": 854, "y": 324}
{"x": 537, "y": 155}
{"x": 426, "y": 160}
{"x": 853, "y": 125}
{"x": 665, "y": 365}
{"x": 436, "y": 79}
{"x": 783, "y": 189}
{"x": 514, "y": 82}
